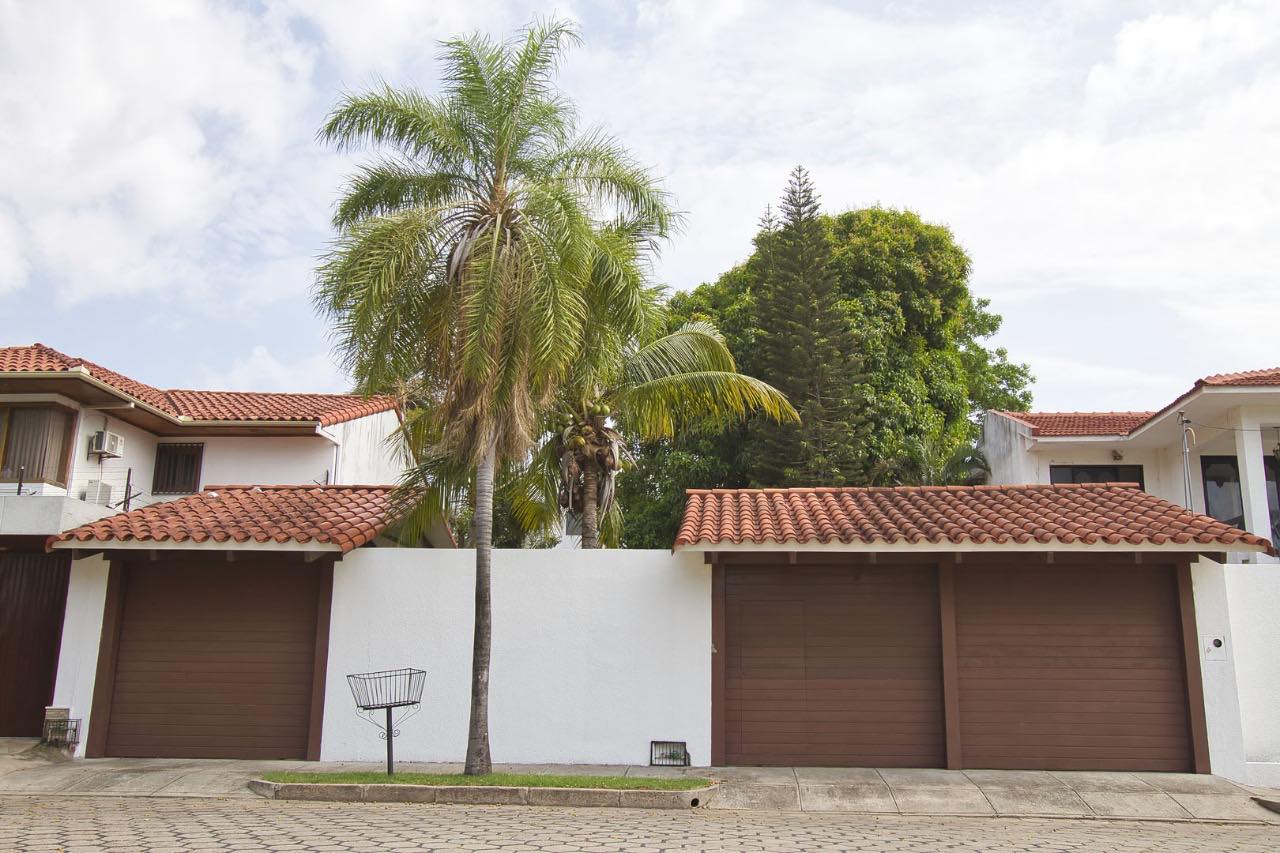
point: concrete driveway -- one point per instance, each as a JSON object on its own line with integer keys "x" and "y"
{"x": 1163, "y": 796}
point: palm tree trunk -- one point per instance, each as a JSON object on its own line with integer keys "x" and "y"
{"x": 590, "y": 496}
{"x": 479, "y": 761}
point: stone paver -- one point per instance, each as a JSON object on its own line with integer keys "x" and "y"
{"x": 145, "y": 825}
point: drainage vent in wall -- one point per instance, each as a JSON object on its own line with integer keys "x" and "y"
{"x": 668, "y": 753}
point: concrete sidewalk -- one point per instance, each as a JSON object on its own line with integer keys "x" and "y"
{"x": 1010, "y": 793}
{"x": 1157, "y": 796}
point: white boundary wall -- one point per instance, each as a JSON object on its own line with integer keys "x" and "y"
{"x": 1253, "y": 592}
{"x": 594, "y": 653}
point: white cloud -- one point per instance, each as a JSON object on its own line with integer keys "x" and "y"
{"x": 166, "y": 151}
{"x": 135, "y": 132}
{"x": 13, "y": 260}
{"x": 261, "y": 370}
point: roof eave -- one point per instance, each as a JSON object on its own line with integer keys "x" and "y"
{"x": 903, "y": 547}
{"x": 191, "y": 545}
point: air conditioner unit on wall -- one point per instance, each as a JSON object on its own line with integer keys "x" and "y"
{"x": 105, "y": 443}
{"x": 97, "y": 492}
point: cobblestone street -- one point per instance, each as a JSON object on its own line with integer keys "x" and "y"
{"x": 85, "y": 824}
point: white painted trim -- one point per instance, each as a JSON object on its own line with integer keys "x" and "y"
{"x": 883, "y": 547}
{"x": 188, "y": 545}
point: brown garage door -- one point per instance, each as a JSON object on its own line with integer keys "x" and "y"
{"x": 1071, "y": 668}
{"x": 33, "y": 596}
{"x": 834, "y": 666}
{"x": 215, "y": 660}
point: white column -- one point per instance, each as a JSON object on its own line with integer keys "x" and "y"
{"x": 81, "y": 631}
{"x": 1222, "y": 713}
{"x": 1253, "y": 476}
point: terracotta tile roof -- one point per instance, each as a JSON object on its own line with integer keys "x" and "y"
{"x": 1102, "y": 514}
{"x": 326, "y": 409}
{"x": 346, "y": 516}
{"x": 1270, "y": 376}
{"x": 254, "y": 406}
{"x": 1051, "y": 424}
{"x": 1081, "y": 423}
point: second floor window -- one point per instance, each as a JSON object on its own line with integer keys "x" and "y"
{"x": 1222, "y": 496}
{"x": 177, "y": 469}
{"x": 34, "y": 441}
{"x": 1097, "y": 474}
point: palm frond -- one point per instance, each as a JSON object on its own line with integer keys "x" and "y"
{"x": 388, "y": 186}
{"x": 697, "y": 346}
{"x": 659, "y": 407}
{"x": 404, "y": 119}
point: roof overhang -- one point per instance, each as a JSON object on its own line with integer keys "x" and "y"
{"x": 81, "y": 386}
{"x": 884, "y": 547}
{"x": 1204, "y": 405}
{"x": 94, "y": 545}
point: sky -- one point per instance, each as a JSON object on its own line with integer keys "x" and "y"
{"x": 1112, "y": 168}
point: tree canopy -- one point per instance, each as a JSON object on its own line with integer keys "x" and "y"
{"x": 881, "y": 316}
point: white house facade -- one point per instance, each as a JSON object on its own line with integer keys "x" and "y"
{"x": 79, "y": 442}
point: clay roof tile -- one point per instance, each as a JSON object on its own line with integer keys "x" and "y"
{"x": 1071, "y": 513}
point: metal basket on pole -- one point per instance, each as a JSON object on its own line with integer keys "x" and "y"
{"x": 387, "y": 690}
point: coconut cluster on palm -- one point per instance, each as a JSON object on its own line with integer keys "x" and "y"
{"x": 586, "y": 439}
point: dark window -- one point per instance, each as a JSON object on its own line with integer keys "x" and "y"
{"x": 34, "y": 443}
{"x": 177, "y": 469}
{"x": 1222, "y": 497}
{"x": 1097, "y": 474}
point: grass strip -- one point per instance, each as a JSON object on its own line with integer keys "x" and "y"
{"x": 503, "y": 780}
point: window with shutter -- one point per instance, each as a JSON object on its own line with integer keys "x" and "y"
{"x": 177, "y": 469}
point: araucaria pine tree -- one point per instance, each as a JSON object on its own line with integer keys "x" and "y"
{"x": 808, "y": 352}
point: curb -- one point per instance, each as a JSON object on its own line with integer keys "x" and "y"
{"x": 476, "y": 795}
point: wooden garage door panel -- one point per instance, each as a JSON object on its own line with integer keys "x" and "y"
{"x": 33, "y": 596}
{"x": 1071, "y": 668}
{"x": 215, "y": 660}
{"x": 833, "y": 666}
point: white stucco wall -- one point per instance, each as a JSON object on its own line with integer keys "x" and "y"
{"x": 1253, "y": 592}
{"x": 594, "y": 653}
{"x": 366, "y": 455}
{"x": 1004, "y": 442}
{"x": 81, "y": 633}
{"x": 139, "y": 455}
{"x": 263, "y": 460}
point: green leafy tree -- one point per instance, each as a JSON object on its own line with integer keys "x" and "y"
{"x": 905, "y": 284}
{"x": 460, "y": 271}
{"x": 923, "y": 371}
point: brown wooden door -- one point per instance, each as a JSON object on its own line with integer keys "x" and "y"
{"x": 215, "y": 660}
{"x": 1071, "y": 668}
{"x": 833, "y": 666}
{"x": 33, "y": 597}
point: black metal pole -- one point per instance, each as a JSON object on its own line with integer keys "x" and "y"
{"x": 391, "y": 767}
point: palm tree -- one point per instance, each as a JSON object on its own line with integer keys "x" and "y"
{"x": 459, "y": 274}
{"x": 649, "y": 387}
{"x": 931, "y": 460}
